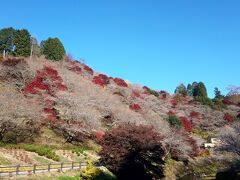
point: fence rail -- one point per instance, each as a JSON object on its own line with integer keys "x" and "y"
{"x": 39, "y": 168}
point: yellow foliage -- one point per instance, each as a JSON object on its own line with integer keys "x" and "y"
{"x": 89, "y": 172}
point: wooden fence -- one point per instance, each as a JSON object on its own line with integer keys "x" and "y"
{"x": 39, "y": 168}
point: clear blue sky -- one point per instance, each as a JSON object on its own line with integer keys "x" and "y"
{"x": 158, "y": 43}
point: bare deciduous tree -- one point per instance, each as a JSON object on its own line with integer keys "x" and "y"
{"x": 230, "y": 137}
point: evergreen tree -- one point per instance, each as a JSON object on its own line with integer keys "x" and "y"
{"x": 189, "y": 90}
{"x": 53, "y": 49}
{"x": 7, "y": 40}
{"x": 181, "y": 89}
{"x": 22, "y": 43}
{"x": 202, "y": 90}
{"x": 217, "y": 93}
{"x": 199, "y": 90}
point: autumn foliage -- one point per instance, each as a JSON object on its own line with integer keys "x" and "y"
{"x": 101, "y": 80}
{"x": 99, "y": 135}
{"x": 98, "y": 80}
{"x": 120, "y": 82}
{"x": 194, "y": 114}
{"x": 135, "y": 107}
{"x": 174, "y": 103}
{"x": 46, "y": 83}
{"x": 88, "y": 69}
{"x": 228, "y": 117}
{"x": 186, "y": 124}
{"x": 12, "y": 62}
{"x": 75, "y": 68}
{"x": 128, "y": 151}
{"x": 46, "y": 80}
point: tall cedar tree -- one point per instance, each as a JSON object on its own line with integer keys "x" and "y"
{"x": 6, "y": 40}
{"x": 53, "y": 49}
{"x": 199, "y": 90}
{"x": 133, "y": 152}
{"x": 22, "y": 43}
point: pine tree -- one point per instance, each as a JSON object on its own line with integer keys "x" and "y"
{"x": 53, "y": 49}
{"x": 22, "y": 43}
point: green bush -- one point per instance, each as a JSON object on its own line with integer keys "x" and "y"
{"x": 174, "y": 121}
{"x": 53, "y": 49}
{"x": 155, "y": 93}
{"x": 204, "y": 100}
{"x": 69, "y": 178}
{"x": 78, "y": 150}
{"x": 41, "y": 150}
{"x": 218, "y": 104}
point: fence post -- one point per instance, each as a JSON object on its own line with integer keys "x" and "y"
{"x": 49, "y": 167}
{"x": 17, "y": 169}
{"x": 62, "y": 166}
{"x": 72, "y": 165}
{"x": 34, "y": 168}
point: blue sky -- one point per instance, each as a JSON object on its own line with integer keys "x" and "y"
{"x": 158, "y": 43}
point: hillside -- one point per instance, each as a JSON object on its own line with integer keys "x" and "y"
{"x": 74, "y": 102}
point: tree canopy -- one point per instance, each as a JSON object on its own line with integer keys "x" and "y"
{"x": 7, "y": 39}
{"x": 53, "y": 49}
{"x": 22, "y": 43}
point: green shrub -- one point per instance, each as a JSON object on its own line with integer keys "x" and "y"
{"x": 174, "y": 121}
{"x": 204, "y": 100}
{"x": 155, "y": 93}
{"x": 69, "y": 178}
{"x": 41, "y": 150}
{"x": 218, "y": 104}
{"x": 78, "y": 150}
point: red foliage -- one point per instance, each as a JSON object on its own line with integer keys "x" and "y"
{"x": 195, "y": 114}
{"x": 228, "y": 102}
{"x": 186, "y": 124}
{"x": 98, "y": 80}
{"x": 101, "y": 80}
{"x": 105, "y": 78}
{"x": 228, "y": 117}
{"x": 46, "y": 80}
{"x": 121, "y": 147}
{"x": 195, "y": 149}
{"x": 120, "y": 82}
{"x": 174, "y": 103}
{"x": 12, "y": 62}
{"x": 135, "y": 93}
{"x": 88, "y": 69}
{"x": 135, "y": 107}
{"x": 99, "y": 135}
{"x": 50, "y": 113}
